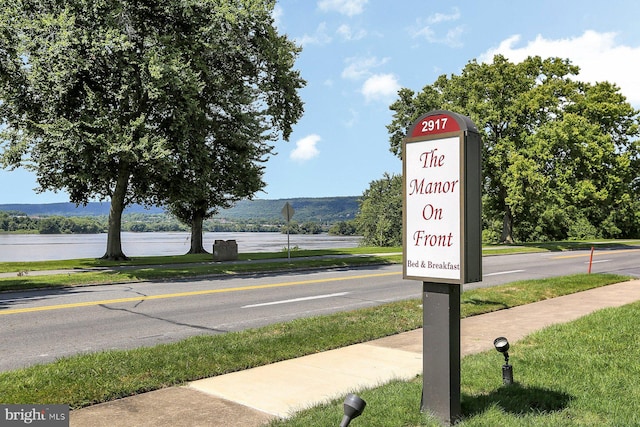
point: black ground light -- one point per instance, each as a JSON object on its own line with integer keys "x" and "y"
{"x": 502, "y": 345}
{"x": 353, "y": 407}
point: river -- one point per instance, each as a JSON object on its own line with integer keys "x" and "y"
{"x": 42, "y": 247}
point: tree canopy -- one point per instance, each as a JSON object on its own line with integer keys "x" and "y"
{"x": 136, "y": 101}
{"x": 561, "y": 157}
{"x": 379, "y": 219}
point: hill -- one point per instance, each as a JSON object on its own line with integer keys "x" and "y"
{"x": 70, "y": 209}
{"x": 322, "y": 209}
{"x": 325, "y": 209}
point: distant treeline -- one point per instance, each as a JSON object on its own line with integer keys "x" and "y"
{"x": 20, "y": 222}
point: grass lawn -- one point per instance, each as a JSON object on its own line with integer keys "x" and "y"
{"x": 178, "y": 267}
{"x": 583, "y": 373}
{"x": 566, "y": 245}
{"x": 92, "y": 378}
{"x": 182, "y": 259}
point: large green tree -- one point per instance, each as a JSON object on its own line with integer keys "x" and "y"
{"x": 234, "y": 118}
{"x": 198, "y": 188}
{"x": 114, "y": 99}
{"x": 559, "y": 155}
{"x": 379, "y": 218}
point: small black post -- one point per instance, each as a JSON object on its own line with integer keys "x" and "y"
{"x": 507, "y": 374}
{"x": 441, "y": 351}
{"x": 353, "y": 407}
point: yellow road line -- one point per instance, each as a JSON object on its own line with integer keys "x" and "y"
{"x": 186, "y": 294}
{"x": 597, "y": 253}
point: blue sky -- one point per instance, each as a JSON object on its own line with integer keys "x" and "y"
{"x": 358, "y": 53}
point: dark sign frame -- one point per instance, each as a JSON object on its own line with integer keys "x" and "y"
{"x": 461, "y": 163}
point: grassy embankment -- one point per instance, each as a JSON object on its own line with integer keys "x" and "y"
{"x": 97, "y": 271}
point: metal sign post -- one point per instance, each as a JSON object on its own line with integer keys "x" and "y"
{"x": 442, "y": 242}
{"x": 287, "y": 213}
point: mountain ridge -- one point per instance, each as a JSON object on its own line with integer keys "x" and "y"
{"x": 315, "y": 209}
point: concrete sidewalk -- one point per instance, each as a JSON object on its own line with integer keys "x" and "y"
{"x": 255, "y": 396}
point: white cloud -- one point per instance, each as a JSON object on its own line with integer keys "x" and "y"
{"x": 320, "y": 36}
{"x": 426, "y": 29}
{"x": 380, "y": 87}
{"x": 598, "y": 55}
{"x": 353, "y": 119}
{"x": 345, "y": 7}
{"x": 450, "y": 38}
{"x": 436, "y": 18}
{"x": 348, "y": 34}
{"x": 306, "y": 148}
{"x": 360, "y": 67}
{"x": 453, "y": 36}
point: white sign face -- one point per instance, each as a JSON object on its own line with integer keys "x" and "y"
{"x": 432, "y": 209}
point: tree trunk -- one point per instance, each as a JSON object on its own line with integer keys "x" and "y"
{"x": 197, "y": 246}
{"x": 114, "y": 242}
{"x": 507, "y": 226}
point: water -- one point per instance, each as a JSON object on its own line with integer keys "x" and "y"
{"x": 42, "y": 247}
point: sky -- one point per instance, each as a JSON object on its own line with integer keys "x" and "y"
{"x": 356, "y": 55}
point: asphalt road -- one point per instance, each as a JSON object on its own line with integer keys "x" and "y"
{"x": 41, "y": 326}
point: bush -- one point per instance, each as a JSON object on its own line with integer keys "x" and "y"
{"x": 343, "y": 228}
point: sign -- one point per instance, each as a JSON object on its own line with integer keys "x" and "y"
{"x": 432, "y": 190}
{"x": 441, "y": 164}
{"x": 442, "y": 218}
{"x": 435, "y": 124}
{"x": 287, "y": 211}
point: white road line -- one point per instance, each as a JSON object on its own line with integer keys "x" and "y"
{"x": 600, "y": 260}
{"x": 502, "y": 272}
{"x": 339, "y": 294}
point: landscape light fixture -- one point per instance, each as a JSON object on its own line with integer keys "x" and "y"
{"x": 353, "y": 407}
{"x": 502, "y": 345}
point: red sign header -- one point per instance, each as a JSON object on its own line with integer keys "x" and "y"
{"x": 435, "y": 124}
